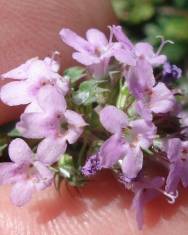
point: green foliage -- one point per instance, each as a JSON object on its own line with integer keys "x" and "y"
{"x": 89, "y": 92}
{"x": 14, "y": 133}
{"x": 134, "y": 10}
{"x": 3, "y": 146}
{"x": 75, "y": 73}
{"x": 67, "y": 169}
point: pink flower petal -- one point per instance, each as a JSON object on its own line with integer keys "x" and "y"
{"x": 132, "y": 163}
{"x": 73, "y": 134}
{"x": 158, "y": 60}
{"x": 20, "y": 152}
{"x": 144, "y": 132}
{"x": 125, "y": 56}
{"x": 22, "y": 192}
{"x": 144, "y": 49}
{"x": 45, "y": 176}
{"x": 37, "y": 125}
{"x": 74, "y": 40}
{"x": 96, "y": 37}
{"x": 8, "y": 173}
{"x": 33, "y": 108}
{"x": 85, "y": 58}
{"x": 15, "y": 93}
{"x": 21, "y": 72}
{"x": 162, "y": 99}
{"x": 50, "y": 149}
{"x": 120, "y": 36}
{"x": 51, "y": 100}
{"x": 74, "y": 119}
{"x": 113, "y": 119}
{"x": 174, "y": 149}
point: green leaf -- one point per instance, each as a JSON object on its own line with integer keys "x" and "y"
{"x": 89, "y": 92}
{"x": 134, "y": 11}
{"x": 14, "y": 133}
{"x": 141, "y": 12}
{"x": 174, "y": 28}
{"x": 67, "y": 170}
{"x": 181, "y": 3}
{"x": 3, "y": 145}
{"x": 75, "y": 73}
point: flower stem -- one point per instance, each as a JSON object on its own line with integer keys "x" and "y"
{"x": 122, "y": 97}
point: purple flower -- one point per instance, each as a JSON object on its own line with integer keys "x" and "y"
{"x": 143, "y": 111}
{"x": 121, "y": 37}
{"x": 31, "y": 76}
{"x": 112, "y": 150}
{"x": 55, "y": 123}
{"x": 132, "y": 137}
{"x": 156, "y": 99}
{"x": 145, "y": 191}
{"x": 141, "y": 82}
{"x": 28, "y": 172}
{"x": 140, "y": 78}
{"x": 94, "y": 52}
{"x": 145, "y": 50}
{"x": 141, "y": 134}
{"x": 171, "y": 72}
{"x": 160, "y": 99}
{"x": 141, "y": 50}
{"x": 177, "y": 153}
{"x": 113, "y": 119}
{"x": 124, "y": 146}
{"x": 91, "y": 166}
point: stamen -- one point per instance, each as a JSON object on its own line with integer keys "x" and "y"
{"x": 54, "y": 56}
{"x": 163, "y": 43}
{"x": 171, "y": 196}
{"x": 111, "y": 35}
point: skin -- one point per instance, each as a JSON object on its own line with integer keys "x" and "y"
{"x": 30, "y": 28}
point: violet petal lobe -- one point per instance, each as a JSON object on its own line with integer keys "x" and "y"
{"x": 96, "y": 38}
{"x": 20, "y": 152}
{"x": 113, "y": 119}
{"x": 22, "y": 192}
{"x": 74, "y": 40}
{"x": 112, "y": 150}
{"x": 92, "y": 165}
{"x": 162, "y": 99}
{"x": 10, "y": 95}
{"x": 120, "y": 36}
{"x": 36, "y": 125}
{"x": 145, "y": 192}
{"x": 51, "y": 100}
{"x": 50, "y": 149}
{"x": 132, "y": 163}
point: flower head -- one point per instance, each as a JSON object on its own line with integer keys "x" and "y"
{"x": 91, "y": 166}
{"x": 171, "y": 72}
{"x": 27, "y": 171}
{"x": 177, "y": 153}
{"x": 31, "y": 76}
{"x": 141, "y": 50}
{"x": 124, "y": 146}
{"x": 55, "y": 123}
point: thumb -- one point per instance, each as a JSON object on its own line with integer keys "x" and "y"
{"x": 30, "y": 28}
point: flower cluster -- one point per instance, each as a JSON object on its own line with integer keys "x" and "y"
{"x": 118, "y": 111}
